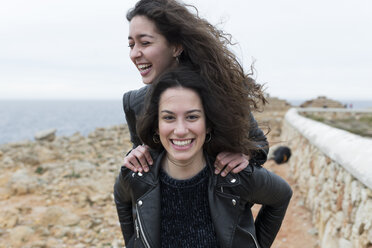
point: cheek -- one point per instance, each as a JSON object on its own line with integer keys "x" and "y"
{"x": 163, "y": 130}
{"x": 164, "y": 58}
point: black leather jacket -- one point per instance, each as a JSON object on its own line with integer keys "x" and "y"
{"x": 137, "y": 198}
{"x": 133, "y": 104}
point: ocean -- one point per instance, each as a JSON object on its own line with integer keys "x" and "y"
{"x": 20, "y": 120}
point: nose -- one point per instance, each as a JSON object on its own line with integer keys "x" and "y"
{"x": 181, "y": 129}
{"x": 135, "y": 53}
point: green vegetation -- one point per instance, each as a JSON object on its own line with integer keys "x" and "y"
{"x": 39, "y": 170}
{"x": 72, "y": 175}
{"x": 361, "y": 126}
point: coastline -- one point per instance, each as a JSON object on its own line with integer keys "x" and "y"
{"x": 57, "y": 193}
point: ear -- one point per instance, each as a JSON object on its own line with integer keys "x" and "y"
{"x": 177, "y": 50}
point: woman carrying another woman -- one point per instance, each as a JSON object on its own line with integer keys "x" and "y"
{"x": 164, "y": 34}
{"x": 181, "y": 202}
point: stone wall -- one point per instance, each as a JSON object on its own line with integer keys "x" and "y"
{"x": 333, "y": 171}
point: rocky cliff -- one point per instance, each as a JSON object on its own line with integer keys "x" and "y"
{"x": 57, "y": 192}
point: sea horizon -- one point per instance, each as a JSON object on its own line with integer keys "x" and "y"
{"x": 21, "y": 119}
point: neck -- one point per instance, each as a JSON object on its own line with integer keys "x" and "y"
{"x": 182, "y": 170}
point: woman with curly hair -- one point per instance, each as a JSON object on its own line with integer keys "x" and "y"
{"x": 181, "y": 202}
{"x": 164, "y": 34}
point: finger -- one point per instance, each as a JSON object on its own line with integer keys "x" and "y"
{"x": 145, "y": 157}
{"x": 128, "y": 165}
{"x": 231, "y": 165}
{"x": 247, "y": 157}
{"x": 240, "y": 167}
{"x": 132, "y": 158}
{"x": 218, "y": 163}
{"x": 138, "y": 159}
{"x": 148, "y": 155}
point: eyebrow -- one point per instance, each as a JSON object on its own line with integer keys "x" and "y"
{"x": 141, "y": 36}
{"x": 187, "y": 112}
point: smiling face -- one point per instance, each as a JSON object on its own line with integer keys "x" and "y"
{"x": 149, "y": 50}
{"x": 182, "y": 125}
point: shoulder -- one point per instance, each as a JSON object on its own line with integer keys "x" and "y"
{"x": 135, "y": 95}
{"x": 134, "y": 98}
{"x": 264, "y": 186}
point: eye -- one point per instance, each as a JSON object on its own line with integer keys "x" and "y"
{"x": 192, "y": 117}
{"x": 168, "y": 117}
{"x": 145, "y": 43}
{"x": 131, "y": 45}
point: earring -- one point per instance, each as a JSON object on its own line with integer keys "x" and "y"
{"x": 177, "y": 60}
{"x": 156, "y": 138}
{"x": 208, "y": 137}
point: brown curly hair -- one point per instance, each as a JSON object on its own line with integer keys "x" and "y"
{"x": 226, "y": 134}
{"x": 205, "y": 50}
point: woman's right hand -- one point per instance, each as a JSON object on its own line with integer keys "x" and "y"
{"x": 139, "y": 159}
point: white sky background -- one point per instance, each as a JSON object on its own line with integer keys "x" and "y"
{"x": 78, "y": 49}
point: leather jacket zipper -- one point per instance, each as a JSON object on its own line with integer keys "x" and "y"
{"x": 255, "y": 242}
{"x": 137, "y": 228}
{"x": 143, "y": 237}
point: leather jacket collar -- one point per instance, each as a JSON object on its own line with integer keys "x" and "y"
{"x": 225, "y": 207}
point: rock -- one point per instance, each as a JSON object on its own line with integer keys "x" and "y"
{"x": 44, "y": 154}
{"x": 83, "y": 168}
{"x": 6, "y": 162}
{"x": 76, "y": 137}
{"x": 60, "y": 231}
{"x": 29, "y": 159}
{"x": 39, "y": 244}
{"x": 22, "y": 183}
{"x": 70, "y": 219}
{"x": 313, "y": 231}
{"x": 9, "y": 218}
{"x": 47, "y": 135}
{"x": 344, "y": 243}
{"x": 21, "y": 234}
{"x": 322, "y": 102}
{"x": 5, "y": 193}
{"x": 56, "y": 215}
{"x": 329, "y": 240}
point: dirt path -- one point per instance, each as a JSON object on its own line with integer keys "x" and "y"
{"x": 297, "y": 229}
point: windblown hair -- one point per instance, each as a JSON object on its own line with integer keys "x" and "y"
{"x": 227, "y": 133}
{"x": 205, "y": 48}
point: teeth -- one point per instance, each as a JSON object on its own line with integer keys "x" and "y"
{"x": 181, "y": 143}
{"x": 143, "y": 67}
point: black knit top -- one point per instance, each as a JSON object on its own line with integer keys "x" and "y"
{"x": 185, "y": 216}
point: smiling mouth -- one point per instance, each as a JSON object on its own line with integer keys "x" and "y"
{"x": 143, "y": 68}
{"x": 182, "y": 142}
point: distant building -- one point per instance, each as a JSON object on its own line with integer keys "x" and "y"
{"x": 322, "y": 102}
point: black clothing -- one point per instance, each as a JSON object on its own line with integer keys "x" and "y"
{"x": 185, "y": 217}
{"x": 138, "y": 202}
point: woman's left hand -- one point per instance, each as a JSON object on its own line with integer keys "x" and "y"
{"x": 228, "y": 161}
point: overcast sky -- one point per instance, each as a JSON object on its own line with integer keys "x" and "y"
{"x": 78, "y": 49}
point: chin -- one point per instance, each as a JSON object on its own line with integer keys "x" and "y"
{"x": 145, "y": 81}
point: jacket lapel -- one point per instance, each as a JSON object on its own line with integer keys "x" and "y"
{"x": 149, "y": 203}
{"x": 150, "y": 210}
{"x": 223, "y": 207}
